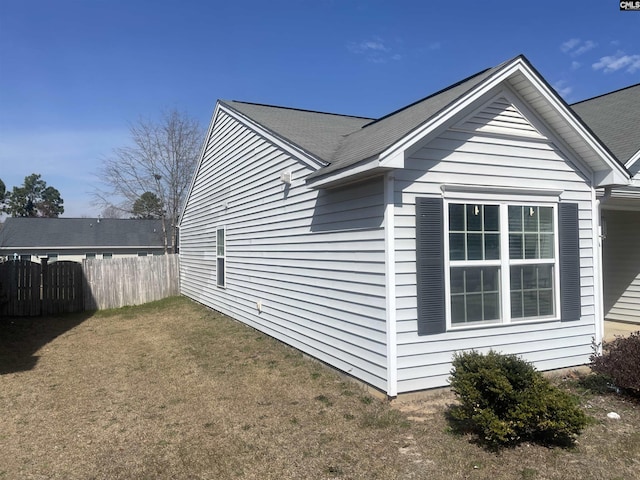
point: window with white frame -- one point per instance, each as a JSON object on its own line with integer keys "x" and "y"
{"x": 502, "y": 262}
{"x": 220, "y": 257}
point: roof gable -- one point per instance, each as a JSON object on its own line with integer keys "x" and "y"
{"x": 343, "y": 147}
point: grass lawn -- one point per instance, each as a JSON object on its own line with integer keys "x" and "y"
{"x": 174, "y": 390}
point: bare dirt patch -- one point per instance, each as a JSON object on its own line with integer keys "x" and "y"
{"x": 174, "y": 390}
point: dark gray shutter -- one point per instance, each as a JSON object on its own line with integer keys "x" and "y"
{"x": 569, "y": 241}
{"x": 430, "y": 266}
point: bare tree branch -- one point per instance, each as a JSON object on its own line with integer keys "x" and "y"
{"x": 161, "y": 159}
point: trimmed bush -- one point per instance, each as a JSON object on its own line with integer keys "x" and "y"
{"x": 505, "y": 400}
{"x": 620, "y": 362}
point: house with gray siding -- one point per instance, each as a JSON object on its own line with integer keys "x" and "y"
{"x": 466, "y": 220}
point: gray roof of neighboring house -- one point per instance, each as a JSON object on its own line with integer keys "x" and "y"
{"x": 341, "y": 141}
{"x": 614, "y": 117}
{"x": 80, "y": 232}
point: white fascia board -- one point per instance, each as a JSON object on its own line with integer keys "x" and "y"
{"x": 295, "y": 151}
{"x": 633, "y": 164}
{"x": 347, "y": 174}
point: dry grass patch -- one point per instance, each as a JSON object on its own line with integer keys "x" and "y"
{"x": 174, "y": 390}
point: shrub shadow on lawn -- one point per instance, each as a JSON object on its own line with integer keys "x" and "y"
{"x": 22, "y": 337}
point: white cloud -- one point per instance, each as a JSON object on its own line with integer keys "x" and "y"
{"x": 576, "y": 47}
{"x": 619, "y": 61}
{"x": 569, "y": 44}
{"x": 562, "y": 88}
{"x": 575, "y": 65}
{"x": 375, "y": 51}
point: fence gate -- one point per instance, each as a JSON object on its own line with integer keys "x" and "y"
{"x": 31, "y": 289}
{"x": 62, "y": 288}
{"x": 20, "y": 288}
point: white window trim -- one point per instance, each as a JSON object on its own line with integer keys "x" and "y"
{"x": 501, "y": 196}
{"x": 223, "y": 257}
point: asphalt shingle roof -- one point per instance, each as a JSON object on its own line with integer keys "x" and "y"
{"x": 341, "y": 141}
{"x": 80, "y": 232}
{"x": 614, "y": 118}
{"x": 315, "y": 132}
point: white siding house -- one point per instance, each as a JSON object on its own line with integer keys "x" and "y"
{"x": 615, "y": 117}
{"x": 467, "y": 220}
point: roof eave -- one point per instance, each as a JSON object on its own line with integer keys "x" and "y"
{"x": 607, "y": 170}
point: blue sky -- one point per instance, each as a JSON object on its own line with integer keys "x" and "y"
{"x": 74, "y": 74}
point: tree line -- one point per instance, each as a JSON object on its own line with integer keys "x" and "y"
{"x": 34, "y": 198}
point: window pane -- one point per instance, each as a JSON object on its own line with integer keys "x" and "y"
{"x": 546, "y": 245}
{"x": 515, "y": 219}
{"x": 546, "y": 219}
{"x": 545, "y": 300}
{"x": 515, "y": 246}
{"x": 220, "y": 272}
{"x": 456, "y": 217}
{"x": 474, "y": 246}
{"x": 456, "y": 246}
{"x": 545, "y": 276}
{"x": 491, "y": 218}
{"x": 516, "y": 304}
{"x": 490, "y": 279}
{"x": 457, "y": 309}
{"x": 220, "y": 242}
{"x": 531, "y": 246}
{"x": 474, "y": 218}
{"x": 491, "y": 246}
{"x": 530, "y": 303}
{"x": 491, "y": 306}
{"x": 473, "y": 280}
{"x": 530, "y": 219}
{"x": 533, "y": 296}
{"x": 529, "y": 277}
{"x": 457, "y": 280}
{"x": 474, "y": 307}
{"x": 475, "y": 294}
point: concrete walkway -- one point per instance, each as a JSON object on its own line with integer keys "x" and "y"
{"x": 613, "y": 329}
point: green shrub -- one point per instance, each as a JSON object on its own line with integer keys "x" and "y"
{"x": 620, "y": 362}
{"x": 505, "y": 400}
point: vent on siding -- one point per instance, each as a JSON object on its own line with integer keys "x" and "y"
{"x": 502, "y": 117}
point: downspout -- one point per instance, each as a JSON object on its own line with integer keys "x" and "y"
{"x": 390, "y": 282}
{"x": 599, "y": 286}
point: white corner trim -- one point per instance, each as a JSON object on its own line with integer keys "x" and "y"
{"x": 598, "y": 293}
{"x": 390, "y": 274}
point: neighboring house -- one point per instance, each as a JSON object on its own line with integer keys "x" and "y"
{"x": 467, "y": 220}
{"x": 79, "y": 238}
{"x": 615, "y": 119}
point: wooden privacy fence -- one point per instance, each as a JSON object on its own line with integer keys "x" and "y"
{"x": 31, "y": 289}
{"x": 117, "y": 282}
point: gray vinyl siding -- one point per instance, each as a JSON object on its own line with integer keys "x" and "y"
{"x": 491, "y": 155}
{"x": 621, "y": 259}
{"x": 313, "y": 260}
